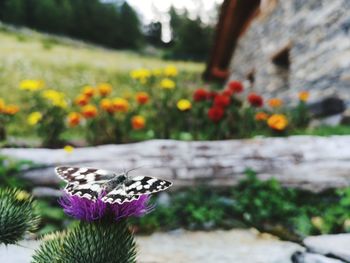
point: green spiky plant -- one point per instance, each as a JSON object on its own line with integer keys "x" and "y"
{"x": 89, "y": 243}
{"x": 102, "y": 235}
{"x": 17, "y": 216}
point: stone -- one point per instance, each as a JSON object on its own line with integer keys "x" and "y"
{"x": 306, "y": 162}
{"x": 300, "y": 257}
{"x": 46, "y": 192}
{"x": 346, "y": 117}
{"x": 327, "y": 107}
{"x": 336, "y": 246}
{"x": 238, "y": 246}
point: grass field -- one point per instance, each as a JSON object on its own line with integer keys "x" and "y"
{"x": 68, "y": 65}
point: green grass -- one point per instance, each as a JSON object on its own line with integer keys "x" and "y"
{"x": 68, "y": 65}
{"x": 326, "y": 131}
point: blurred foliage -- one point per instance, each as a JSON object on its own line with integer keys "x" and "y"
{"x": 265, "y": 205}
{"x": 92, "y": 20}
{"x": 17, "y": 216}
{"x": 192, "y": 39}
{"x": 102, "y": 242}
{"x": 10, "y": 170}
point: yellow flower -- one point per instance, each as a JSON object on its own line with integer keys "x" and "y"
{"x": 34, "y": 118}
{"x": 304, "y": 96}
{"x": 261, "y": 116}
{"x": 89, "y": 111}
{"x": 141, "y": 74}
{"x": 88, "y": 91}
{"x": 277, "y": 122}
{"x": 184, "y": 105}
{"x": 55, "y": 97}
{"x": 22, "y": 196}
{"x": 31, "y": 84}
{"x": 120, "y": 105}
{"x": 104, "y": 89}
{"x": 2, "y": 105}
{"x": 317, "y": 222}
{"x": 275, "y": 102}
{"x": 170, "y": 71}
{"x": 107, "y": 105}
{"x": 68, "y": 148}
{"x": 167, "y": 84}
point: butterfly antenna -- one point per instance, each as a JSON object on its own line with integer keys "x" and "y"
{"x": 136, "y": 168}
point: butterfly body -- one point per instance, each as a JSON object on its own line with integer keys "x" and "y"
{"x": 93, "y": 183}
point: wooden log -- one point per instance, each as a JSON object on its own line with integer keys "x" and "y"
{"x": 306, "y": 162}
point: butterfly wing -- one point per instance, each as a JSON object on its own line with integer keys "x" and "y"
{"x": 145, "y": 185}
{"x": 82, "y": 175}
{"x": 119, "y": 196}
{"x": 89, "y": 191}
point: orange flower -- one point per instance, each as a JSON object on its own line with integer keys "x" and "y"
{"x": 104, "y": 89}
{"x": 89, "y": 111}
{"x": 142, "y": 97}
{"x": 277, "y": 122}
{"x": 107, "y": 105}
{"x": 120, "y": 105}
{"x": 275, "y": 102}
{"x": 88, "y": 91}
{"x": 82, "y": 100}
{"x": 261, "y": 116}
{"x": 11, "y": 109}
{"x": 138, "y": 122}
{"x": 74, "y": 119}
{"x": 304, "y": 96}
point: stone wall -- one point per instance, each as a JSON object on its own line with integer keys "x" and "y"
{"x": 318, "y": 34}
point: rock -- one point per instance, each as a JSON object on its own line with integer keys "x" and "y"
{"x": 46, "y": 192}
{"x": 327, "y": 107}
{"x": 346, "y": 117}
{"x": 306, "y": 162}
{"x": 238, "y": 246}
{"x": 334, "y": 120}
{"x": 300, "y": 257}
{"x": 336, "y": 246}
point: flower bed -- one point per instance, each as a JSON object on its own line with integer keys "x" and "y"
{"x": 156, "y": 106}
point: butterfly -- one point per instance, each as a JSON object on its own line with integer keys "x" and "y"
{"x": 91, "y": 183}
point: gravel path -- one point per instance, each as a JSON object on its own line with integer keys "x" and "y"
{"x": 238, "y": 246}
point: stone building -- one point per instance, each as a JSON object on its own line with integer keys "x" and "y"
{"x": 283, "y": 46}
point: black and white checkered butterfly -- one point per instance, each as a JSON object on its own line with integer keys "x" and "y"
{"x": 91, "y": 183}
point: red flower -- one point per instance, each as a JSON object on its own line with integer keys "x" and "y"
{"x": 255, "y": 100}
{"x": 227, "y": 92}
{"x": 216, "y": 113}
{"x": 222, "y": 101}
{"x": 236, "y": 86}
{"x": 200, "y": 95}
{"x": 212, "y": 94}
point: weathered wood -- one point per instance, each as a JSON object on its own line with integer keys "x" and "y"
{"x": 314, "y": 163}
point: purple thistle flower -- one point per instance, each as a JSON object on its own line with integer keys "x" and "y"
{"x": 87, "y": 210}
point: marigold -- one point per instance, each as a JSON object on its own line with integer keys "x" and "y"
{"x": 88, "y": 91}
{"x": 167, "y": 84}
{"x": 170, "y": 71}
{"x": 304, "y": 96}
{"x": 89, "y": 111}
{"x": 104, "y": 89}
{"x": 82, "y": 100}
{"x": 31, "y": 84}
{"x": 55, "y": 97}
{"x": 68, "y": 148}
{"x": 216, "y": 113}
{"x": 2, "y": 105}
{"x": 255, "y": 100}
{"x": 235, "y": 86}
{"x": 261, "y": 116}
{"x": 120, "y": 105}
{"x": 222, "y": 101}
{"x": 184, "y": 105}
{"x": 10, "y": 109}
{"x": 138, "y": 122}
{"x": 142, "y": 97}
{"x": 277, "y": 122}
{"x": 141, "y": 74}
{"x": 34, "y": 118}
{"x": 275, "y": 102}
{"x": 107, "y": 105}
{"x": 157, "y": 72}
{"x": 74, "y": 119}
{"x": 200, "y": 95}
